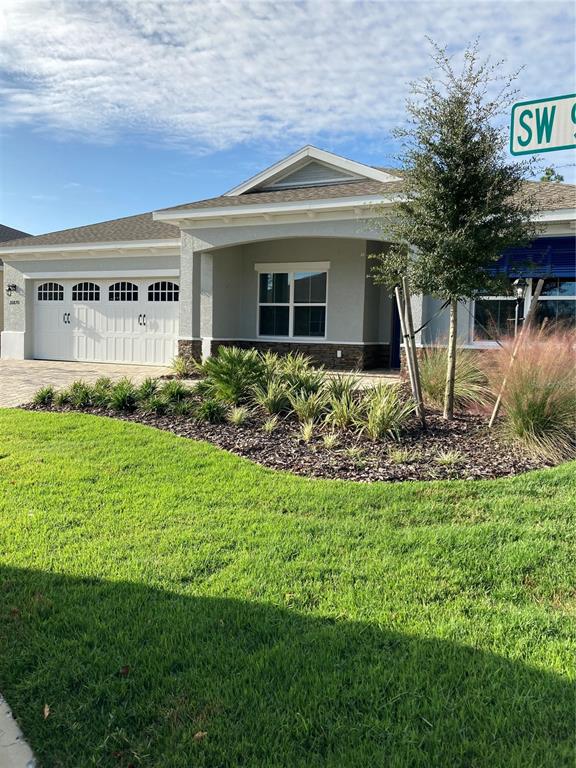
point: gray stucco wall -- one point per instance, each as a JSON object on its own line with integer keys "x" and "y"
{"x": 235, "y": 284}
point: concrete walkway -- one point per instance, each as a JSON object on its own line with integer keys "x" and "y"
{"x": 19, "y": 379}
{"x": 14, "y": 752}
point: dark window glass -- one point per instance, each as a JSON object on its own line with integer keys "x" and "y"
{"x": 274, "y": 288}
{"x": 50, "y": 292}
{"x": 310, "y": 287}
{"x": 309, "y": 321}
{"x": 86, "y": 292}
{"x": 559, "y": 286}
{"x": 163, "y": 291}
{"x": 274, "y": 321}
{"x": 556, "y": 312}
{"x": 123, "y": 292}
{"x": 497, "y": 317}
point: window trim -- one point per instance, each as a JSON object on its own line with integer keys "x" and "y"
{"x": 88, "y": 286}
{"x": 55, "y": 288}
{"x": 172, "y": 288}
{"x": 290, "y": 269}
{"x": 130, "y": 288}
{"x": 532, "y": 282}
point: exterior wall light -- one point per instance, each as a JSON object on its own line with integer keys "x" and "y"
{"x": 519, "y": 286}
{"x": 11, "y": 288}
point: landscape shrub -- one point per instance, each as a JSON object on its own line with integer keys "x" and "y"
{"x": 341, "y": 386}
{"x": 80, "y": 394}
{"x": 385, "y": 412}
{"x": 450, "y": 458}
{"x": 174, "y": 391}
{"x": 238, "y": 415}
{"x": 101, "y": 392}
{"x": 44, "y": 396}
{"x": 330, "y": 441}
{"x": 147, "y": 389}
{"x": 153, "y": 404}
{"x": 308, "y": 406}
{"x": 211, "y": 410}
{"x": 344, "y": 411}
{"x": 470, "y": 383}
{"x": 183, "y": 367}
{"x": 181, "y": 407}
{"x": 123, "y": 395}
{"x": 271, "y": 424}
{"x": 307, "y": 431}
{"x": 539, "y": 401}
{"x": 61, "y": 398}
{"x": 231, "y": 374}
{"x": 271, "y": 396}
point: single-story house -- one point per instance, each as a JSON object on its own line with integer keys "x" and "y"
{"x": 280, "y": 261}
{"x": 7, "y": 233}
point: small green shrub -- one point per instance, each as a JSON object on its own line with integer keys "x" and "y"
{"x": 123, "y": 395}
{"x": 147, "y": 389}
{"x": 271, "y": 364}
{"x": 308, "y": 406}
{"x": 101, "y": 392}
{"x": 307, "y": 431}
{"x": 403, "y": 455}
{"x": 44, "y": 396}
{"x": 174, "y": 391}
{"x": 470, "y": 383}
{"x": 154, "y": 404}
{"x": 212, "y": 411}
{"x": 271, "y": 424}
{"x": 385, "y": 412}
{"x": 181, "y": 407}
{"x": 183, "y": 367}
{"x": 344, "y": 411}
{"x": 356, "y": 455}
{"x": 61, "y": 398}
{"x": 305, "y": 383}
{"x": 80, "y": 394}
{"x": 272, "y": 397}
{"x": 330, "y": 441}
{"x": 340, "y": 386}
{"x": 449, "y": 458}
{"x": 231, "y": 374}
{"x": 238, "y": 415}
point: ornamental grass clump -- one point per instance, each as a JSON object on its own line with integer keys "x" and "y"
{"x": 123, "y": 396}
{"x": 384, "y": 412}
{"x": 80, "y": 394}
{"x": 174, "y": 391}
{"x": 101, "y": 392}
{"x": 183, "y": 367}
{"x": 212, "y": 411}
{"x": 44, "y": 396}
{"x": 470, "y": 383}
{"x": 342, "y": 385}
{"x": 539, "y": 400}
{"x": 271, "y": 396}
{"x": 308, "y": 406}
{"x": 238, "y": 415}
{"x": 344, "y": 411}
{"x": 231, "y": 374}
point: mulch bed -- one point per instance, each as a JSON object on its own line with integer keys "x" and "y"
{"x": 483, "y": 453}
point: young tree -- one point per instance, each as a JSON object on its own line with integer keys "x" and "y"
{"x": 464, "y": 201}
{"x": 551, "y": 174}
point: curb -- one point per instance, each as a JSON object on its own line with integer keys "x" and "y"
{"x": 14, "y": 751}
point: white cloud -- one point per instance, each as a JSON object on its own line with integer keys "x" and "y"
{"x": 210, "y": 75}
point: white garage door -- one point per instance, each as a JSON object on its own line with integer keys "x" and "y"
{"x": 116, "y": 321}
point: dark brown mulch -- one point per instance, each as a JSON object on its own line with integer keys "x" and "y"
{"x": 483, "y": 453}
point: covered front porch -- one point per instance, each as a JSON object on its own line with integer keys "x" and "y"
{"x": 311, "y": 294}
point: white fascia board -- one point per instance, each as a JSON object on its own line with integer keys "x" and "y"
{"x": 312, "y": 153}
{"x": 270, "y": 209}
{"x": 102, "y": 275}
{"x": 118, "y": 246}
{"x": 560, "y": 214}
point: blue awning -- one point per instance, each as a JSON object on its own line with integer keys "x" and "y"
{"x": 544, "y": 257}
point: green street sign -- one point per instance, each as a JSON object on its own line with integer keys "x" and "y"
{"x": 543, "y": 125}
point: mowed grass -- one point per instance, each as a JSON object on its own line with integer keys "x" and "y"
{"x": 177, "y": 607}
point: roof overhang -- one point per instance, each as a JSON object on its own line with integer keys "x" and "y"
{"x": 305, "y": 155}
{"x": 122, "y": 246}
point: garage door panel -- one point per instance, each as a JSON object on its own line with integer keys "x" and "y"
{"x": 97, "y": 320}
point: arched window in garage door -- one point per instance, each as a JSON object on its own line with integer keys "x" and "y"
{"x": 164, "y": 290}
{"x": 50, "y": 292}
{"x": 86, "y": 292}
{"x": 123, "y": 292}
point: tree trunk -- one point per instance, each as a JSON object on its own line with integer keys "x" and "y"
{"x": 451, "y": 367}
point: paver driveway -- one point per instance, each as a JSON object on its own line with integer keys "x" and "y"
{"x": 19, "y": 379}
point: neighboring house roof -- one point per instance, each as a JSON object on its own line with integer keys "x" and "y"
{"x": 127, "y": 229}
{"x": 9, "y": 233}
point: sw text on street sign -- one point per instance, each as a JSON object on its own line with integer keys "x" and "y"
{"x": 543, "y": 125}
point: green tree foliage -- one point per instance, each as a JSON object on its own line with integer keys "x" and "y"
{"x": 464, "y": 201}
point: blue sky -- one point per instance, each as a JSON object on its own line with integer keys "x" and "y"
{"x": 114, "y": 107}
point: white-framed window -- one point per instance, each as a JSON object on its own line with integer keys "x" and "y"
{"x": 494, "y": 316}
{"x": 50, "y": 292}
{"x": 164, "y": 290}
{"x": 292, "y": 302}
{"x": 86, "y": 292}
{"x": 123, "y": 291}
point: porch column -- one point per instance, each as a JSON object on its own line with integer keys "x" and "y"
{"x": 206, "y": 303}
{"x": 189, "y": 343}
{"x": 16, "y": 342}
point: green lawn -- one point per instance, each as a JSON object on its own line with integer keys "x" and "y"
{"x": 154, "y": 588}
